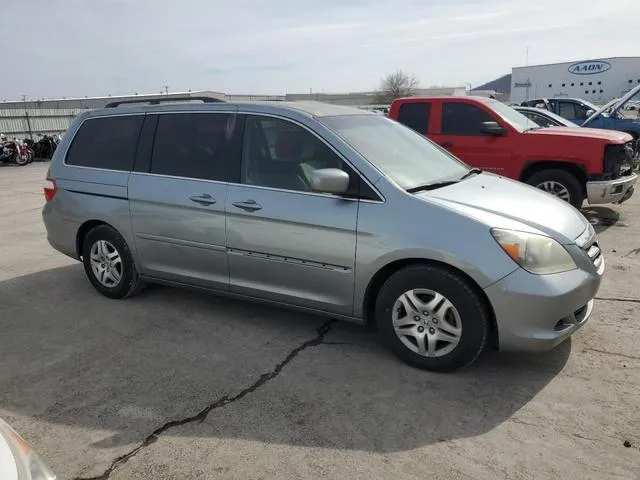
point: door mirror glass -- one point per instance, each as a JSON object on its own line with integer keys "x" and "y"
{"x": 492, "y": 128}
{"x": 330, "y": 180}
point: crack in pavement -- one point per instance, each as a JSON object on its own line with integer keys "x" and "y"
{"x": 322, "y": 331}
{"x": 623, "y": 355}
{"x": 617, "y": 299}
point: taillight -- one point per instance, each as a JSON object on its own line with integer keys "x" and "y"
{"x": 50, "y": 189}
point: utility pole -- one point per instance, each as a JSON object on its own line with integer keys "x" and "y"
{"x": 166, "y": 89}
{"x": 26, "y": 114}
{"x": 526, "y": 57}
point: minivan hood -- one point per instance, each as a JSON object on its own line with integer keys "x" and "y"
{"x": 612, "y": 136}
{"x": 487, "y": 196}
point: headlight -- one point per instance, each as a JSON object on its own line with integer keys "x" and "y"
{"x": 535, "y": 253}
{"x": 29, "y": 465}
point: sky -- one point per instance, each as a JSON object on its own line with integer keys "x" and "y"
{"x": 77, "y": 48}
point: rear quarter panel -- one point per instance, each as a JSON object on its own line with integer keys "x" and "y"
{"x": 85, "y": 194}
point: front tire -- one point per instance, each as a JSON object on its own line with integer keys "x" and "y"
{"x": 109, "y": 264}
{"x": 432, "y": 318}
{"x": 21, "y": 159}
{"x": 559, "y": 183}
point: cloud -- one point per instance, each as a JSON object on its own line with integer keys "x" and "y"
{"x": 249, "y": 46}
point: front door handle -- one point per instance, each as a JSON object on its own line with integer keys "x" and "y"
{"x": 204, "y": 199}
{"x": 446, "y": 144}
{"x": 248, "y": 205}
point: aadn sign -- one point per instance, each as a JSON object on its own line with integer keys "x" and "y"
{"x": 589, "y": 68}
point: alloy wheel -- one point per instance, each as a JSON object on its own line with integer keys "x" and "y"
{"x": 555, "y": 188}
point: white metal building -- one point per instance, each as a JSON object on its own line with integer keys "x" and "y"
{"x": 598, "y": 80}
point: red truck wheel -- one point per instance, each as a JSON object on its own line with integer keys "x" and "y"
{"x": 560, "y": 183}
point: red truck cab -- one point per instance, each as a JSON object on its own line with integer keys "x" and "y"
{"x": 572, "y": 163}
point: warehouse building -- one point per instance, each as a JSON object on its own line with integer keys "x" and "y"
{"x": 599, "y": 80}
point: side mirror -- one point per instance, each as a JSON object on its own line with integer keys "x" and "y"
{"x": 330, "y": 180}
{"x": 492, "y": 128}
{"x": 589, "y": 113}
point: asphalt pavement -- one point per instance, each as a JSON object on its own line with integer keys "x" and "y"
{"x": 181, "y": 384}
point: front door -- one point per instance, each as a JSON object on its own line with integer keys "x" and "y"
{"x": 461, "y": 134}
{"x": 177, "y": 208}
{"x": 287, "y": 243}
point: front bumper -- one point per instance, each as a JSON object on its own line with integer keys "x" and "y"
{"x": 537, "y": 312}
{"x": 611, "y": 191}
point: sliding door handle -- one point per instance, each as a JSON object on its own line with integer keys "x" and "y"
{"x": 248, "y": 205}
{"x": 204, "y": 199}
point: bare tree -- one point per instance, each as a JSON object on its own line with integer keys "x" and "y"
{"x": 396, "y": 85}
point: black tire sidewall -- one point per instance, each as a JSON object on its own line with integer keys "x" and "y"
{"x": 472, "y": 310}
{"x": 129, "y": 273}
{"x": 566, "y": 179}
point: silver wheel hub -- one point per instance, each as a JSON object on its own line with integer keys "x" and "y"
{"x": 426, "y": 322}
{"x": 106, "y": 263}
{"x": 555, "y": 188}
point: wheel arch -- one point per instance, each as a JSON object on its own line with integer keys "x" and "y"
{"x": 381, "y": 276}
{"x": 84, "y": 229}
{"x": 577, "y": 170}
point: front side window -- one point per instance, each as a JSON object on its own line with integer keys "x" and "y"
{"x": 279, "y": 154}
{"x": 407, "y": 158}
{"x": 194, "y": 145}
{"x": 106, "y": 142}
{"x": 567, "y": 110}
{"x": 415, "y": 115}
{"x": 463, "y": 119}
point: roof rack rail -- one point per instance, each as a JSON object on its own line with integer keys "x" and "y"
{"x": 157, "y": 101}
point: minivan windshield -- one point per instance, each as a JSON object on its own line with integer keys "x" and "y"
{"x": 407, "y": 157}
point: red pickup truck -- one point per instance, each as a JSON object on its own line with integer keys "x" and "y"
{"x": 571, "y": 163}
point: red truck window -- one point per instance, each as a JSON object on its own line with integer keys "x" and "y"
{"x": 415, "y": 116}
{"x": 463, "y": 119}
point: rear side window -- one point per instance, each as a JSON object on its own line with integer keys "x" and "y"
{"x": 194, "y": 145}
{"x": 415, "y": 116}
{"x": 107, "y": 142}
{"x": 463, "y": 119}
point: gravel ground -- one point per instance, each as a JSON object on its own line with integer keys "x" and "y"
{"x": 179, "y": 384}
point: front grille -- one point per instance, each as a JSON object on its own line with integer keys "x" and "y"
{"x": 619, "y": 160}
{"x": 595, "y": 255}
{"x": 588, "y": 242}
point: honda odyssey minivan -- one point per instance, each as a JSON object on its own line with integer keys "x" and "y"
{"x": 326, "y": 209}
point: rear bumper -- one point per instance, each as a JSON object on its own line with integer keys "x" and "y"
{"x": 537, "y": 312}
{"x": 611, "y": 191}
{"x": 61, "y": 234}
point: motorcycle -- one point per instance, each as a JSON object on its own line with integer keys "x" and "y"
{"x": 44, "y": 147}
{"x": 12, "y": 153}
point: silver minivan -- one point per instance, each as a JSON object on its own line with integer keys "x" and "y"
{"x": 327, "y": 209}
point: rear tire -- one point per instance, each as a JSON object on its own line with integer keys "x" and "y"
{"x": 559, "y": 183}
{"x": 109, "y": 264}
{"x": 432, "y": 318}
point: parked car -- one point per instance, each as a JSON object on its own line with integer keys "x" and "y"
{"x": 544, "y": 118}
{"x": 571, "y": 163}
{"x": 610, "y": 116}
{"x": 326, "y": 209}
{"x": 18, "y": 461}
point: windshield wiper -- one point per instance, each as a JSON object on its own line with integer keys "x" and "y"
{"x": 473, "y": 171}
{"x": 431, "y": 186}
